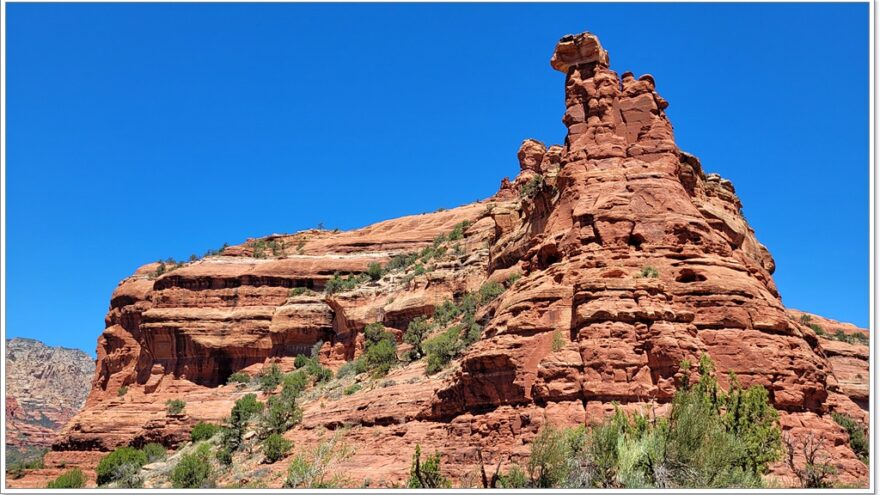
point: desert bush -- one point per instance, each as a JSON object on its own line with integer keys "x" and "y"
{"x": 242, "y": 411}
{"x": 426, "y": 474}
{"x": 175, "y": 406}
{"x": 489, "y": 291}
{"x": 515, "y": 477}
{"x": 711, "y": 439}
{"x": 239, "y": 377}
{"x": 121, "y": 391}
{"x": 442, "y": 349}
{"x": 458, "y": 231}
{"x": 224, "y": 456}
{"x": 380, "y": 351}
{"x": 351, "y": 389}
{"x": 244, "y": 408}
{"x": 858, "y": 438}
{"x": 203, "y": 431}
{"x": 299, "y": 291}
{"x": 193, "y": 470}
{"x": 270, "y": 378}
{"x": 557, "y": 343}
{"x": 347, "y": 369}
{"x": 294, "y": 383}
{"x": 416, "y": 331}
{"x": 340, "y": 284}
{"x": 300, "y": 361}
{"x": 446, "y": 312}
{"x": 531, "y": 188}
{"x": 154, "y": 452}
{"x": 310, "y": 469}
{"x": 649, "y": 272}
{"x": 275, "y": 447}
{"x": 401, "y": 261}
{"x": 375, "y": 271}
{"x": 113, "y": 464}
{"x": 280, "y": 415}
{"x": 73, "y": 478}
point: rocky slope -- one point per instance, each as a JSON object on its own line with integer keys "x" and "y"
{"x": 620, "y": 257}
{"x": 45, "y": 387}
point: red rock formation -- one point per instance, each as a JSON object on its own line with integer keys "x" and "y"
{"x": 629, "y": 253}
{"x": 45, "y": 387}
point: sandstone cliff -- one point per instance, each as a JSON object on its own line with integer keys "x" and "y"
{"x": 621, "y": 257}
{"x": 45, "y": 387}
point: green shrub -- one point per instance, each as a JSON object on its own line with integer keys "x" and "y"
{"x": 548, "y": 464}
{"x": 239, "y": 377}
{"x": 751, "y": 419}
{"x": 711, "y": 439}
{"x": 175, "y": 406}
{"x": 351, "y": 389}
{"x": 649, "y": 272}
{"x": 258, "y": 247}
{"x": 300, "y": 360}
{"x": 858, "y": 438}
{"x": 310, "y": 469}
{"x": 275, "y": 447}
{"x": 339, "y": 284}
{"x": 806, "y": 319}
{"x": 317, "y": 371}
{"x": 193, "y": 470}
{"x": 442, "y": 349}
{"x": 270, "y": 378}
{"x": 401, "y": 261}
{"x": 121, "y": 391}
{"x": 375, "y": 271}
{"x": 380, "y": 351}
{"x": 489, "y": 291}
{"x": 819, "y": 330}
{"x": 558, "y": 343}
{"x": 458, "y": 232}
{"x": 244, "y": 408}
{"x": 416, "y": 331}
{"x": 224, "y": 456}
{"x": 111, "y": 466}
{"x": 426, "y": 474}
{"x": 203, "y": 431}
{"x": 294, "y": 383}
{"x": 299, "y": 291}
{"x": 347, "y": 369}
{"x": 73, "y": 478}
{"x": 515, "y": 477}
{"x": 446, "y": 312}
{"x": 154, "y": 452}
{"x": 531, "y": 188}
{"x": 280, "y": 415}
{"x": 419, "y": 270}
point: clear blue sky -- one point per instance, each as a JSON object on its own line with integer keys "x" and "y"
{"x": 138, "y": 132}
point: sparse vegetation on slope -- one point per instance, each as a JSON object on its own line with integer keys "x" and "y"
{"x": 710, "y": 439}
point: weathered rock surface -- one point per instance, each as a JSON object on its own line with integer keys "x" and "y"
{"x": 45, "y": 387}
{"x": 627, "y": 252}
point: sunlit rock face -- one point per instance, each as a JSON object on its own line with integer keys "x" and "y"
{"x": 624, "y": 258}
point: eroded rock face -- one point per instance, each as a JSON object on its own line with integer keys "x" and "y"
{"x": 630, "y": 260}
{"x": 45, "y": 387}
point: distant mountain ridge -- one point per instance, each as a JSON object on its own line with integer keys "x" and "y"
{"x": 45, "y": 387}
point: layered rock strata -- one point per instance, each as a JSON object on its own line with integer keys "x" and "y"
{"x": 619, "y": 244}
{"x": 45, "y": 387}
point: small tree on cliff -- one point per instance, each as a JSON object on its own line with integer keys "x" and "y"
{"x": 426, "y": 474}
